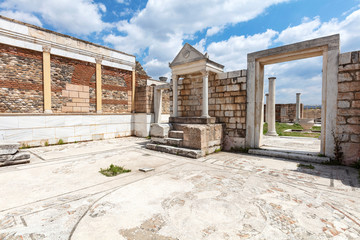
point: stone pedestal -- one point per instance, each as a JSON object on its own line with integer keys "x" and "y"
{"x": 271, "y": 108}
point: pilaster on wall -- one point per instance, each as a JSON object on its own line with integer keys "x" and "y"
{"x": 47, "y": 79}
{"x": 133, "y": 83}
{"x": 98, "y": 86}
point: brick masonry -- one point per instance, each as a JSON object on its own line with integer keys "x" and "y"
{"x": 144, "y": 99}
{"x": 116, "y": 90}
{"x": 21, "y": 85}
{"x": 21, "y": 88}
{"x": 348, "y": 120}
{"x": 285, "y": 112}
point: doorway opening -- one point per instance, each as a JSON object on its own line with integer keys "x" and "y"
{"x": 328, "y": 48}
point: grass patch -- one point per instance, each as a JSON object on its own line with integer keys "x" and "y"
{"x": 217, "y": 150}
{"x": 113, "y": 170}
{"x": 316, "y": 128}
{"x": 148, "y": 137}
{"x": 46, "y": 144}
{"x": 25, "y": 146}
{"x": 308, "y": 166}
{"x": 281, "y": 127}
{"x": 60, "y": 142}
{"x": 239, "y": 150}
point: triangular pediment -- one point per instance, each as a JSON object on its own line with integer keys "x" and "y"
{"x": 187, "y": 54}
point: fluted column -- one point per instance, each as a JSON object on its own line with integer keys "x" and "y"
{"x": 205, "y": 91}
{"x": 175, "y": 95}
{"x": 271, "y": 108}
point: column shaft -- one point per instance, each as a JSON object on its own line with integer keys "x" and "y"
{"x": 271, "y": 115}
{"x": 133, "y": 85}
{"x": 297, "y": 108}
{"x": 47, "y": 79}
{"x": 205, "y": 100}
{"x": 267, "y": 108}
{"x": 175, "y": 95}
{"x": 98, "y": 87}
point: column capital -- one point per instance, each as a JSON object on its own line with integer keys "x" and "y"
{"x": 298, "y": 94}
{"x": 266, "y": 94}
{"x": 272, "y": 78}
{"x": 98, "y": 60}
{"x": 46, "y": 49}
{"x": 204, "y": 73}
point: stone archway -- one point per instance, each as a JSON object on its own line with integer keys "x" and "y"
{"x": 327, "y": 47}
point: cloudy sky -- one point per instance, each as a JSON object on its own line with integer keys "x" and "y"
{"x": 155, "y": 31}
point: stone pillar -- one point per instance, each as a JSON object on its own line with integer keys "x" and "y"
{"x": 157, "y": 104}
{"x": 98, "y": 86}
{"x": 297, "y": 120}
{"x": 267, "y": 108}
{"x": 205, "y": 92}
{"x": 133, "y": 85}
{"x": 175, "y": 96}
{"x": 271, "y": 108}
{"x": 47, "y": 79}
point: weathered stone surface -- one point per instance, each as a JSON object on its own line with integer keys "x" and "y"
{"x": 345, "y": 58}
{"x": 168, "y": 141}
{"x": 192, "y": 120}
{"x": 191, "y": 153}
{"x": 14, "y": 157}
{"x": 159, "y": 130}
{"x": 8, "y": 148}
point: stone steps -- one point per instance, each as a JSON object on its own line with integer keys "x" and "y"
{"x": 176, "y": 142}
{"x": 176, "y": 134}
{"x": 191, "y": 153}
{"x": 289, "y": 155}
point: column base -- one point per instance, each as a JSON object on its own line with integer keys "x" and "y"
{"x": 205, "y": 116}
{"x": 273, "y": 134}
{"x": 48, "y": 111}
{"x": 99, "y": 111}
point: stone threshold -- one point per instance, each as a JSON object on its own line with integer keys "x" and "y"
{"x": 310, "y": 157}
{"x": 185, "y": 152}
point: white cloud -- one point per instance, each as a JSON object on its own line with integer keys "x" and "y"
{"x": 80, "y": 17}
{"x": 349, "y": 30}
{"x": 161, "y": 27}
{"x": 232, "y": 53}
{"x": 22, "y": 16}
{"x": 214, "y": 30}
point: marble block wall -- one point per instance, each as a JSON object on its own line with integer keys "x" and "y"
{"x": 37, "y": 130}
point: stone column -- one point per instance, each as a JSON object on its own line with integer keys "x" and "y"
{"x": 205, "y": 92}
{"x": 47, "y": 79}
{"x": 175, "y": 96}
{"x": 157, "y": 104}
{"x": 271, "y": 108}
{"x": 297, "y": 120}
{"x": 98, "y": 86}
{"x": 267, "y": 108}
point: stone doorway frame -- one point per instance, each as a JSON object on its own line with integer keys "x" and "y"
{"x": 327, "y": 47}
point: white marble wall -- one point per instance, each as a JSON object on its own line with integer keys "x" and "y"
{"x": 37, "y": 130}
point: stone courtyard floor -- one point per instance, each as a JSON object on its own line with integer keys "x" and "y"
{"x": 61, "y": 195}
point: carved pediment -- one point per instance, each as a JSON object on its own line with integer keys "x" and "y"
{"x": 187, "y": 54}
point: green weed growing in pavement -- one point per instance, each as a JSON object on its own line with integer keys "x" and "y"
{"x": 113, "y": 170}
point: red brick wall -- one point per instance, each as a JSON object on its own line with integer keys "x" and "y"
{"x": 21, "y": 89}
{"x": 116, "y": 90}
{"x": 69, "y": 71}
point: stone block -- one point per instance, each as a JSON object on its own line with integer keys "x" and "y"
{"x": 9, "y": 148}
{"x": 349, "y": 86}
{"x": 355, "y": 57}
{"x": 241, "y": 80}
{"x": 234, "y": 74}
{"x": 353, "y": 120}
{"x": 229, "y": 113}
{"x": 73, "y": 94}
{"x": 346, "y": 96}
{"x": 357, "y": 95}
{"x": 86, "y": 88}
{"x": 343, "y": 104}
{"x": 355, "y": 104}
{"x": 159, "y": 130}
{"x": 222, "y": 75}
{"x": 243, "y": 73}
{"x": 65, "y": 93}
{"x": 84, "y": 95}
{"x": 345, "y": 58}
{"x": 14, "y": 157}
{"x": 243, "y": 86}
{"x": 221, "y": 89}
{"x": 344, "y": 77}
{"x": 355, "y": 138}
{"x": 232, "y": 88}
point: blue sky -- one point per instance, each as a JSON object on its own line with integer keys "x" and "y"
{"x": 155, "y": 31}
